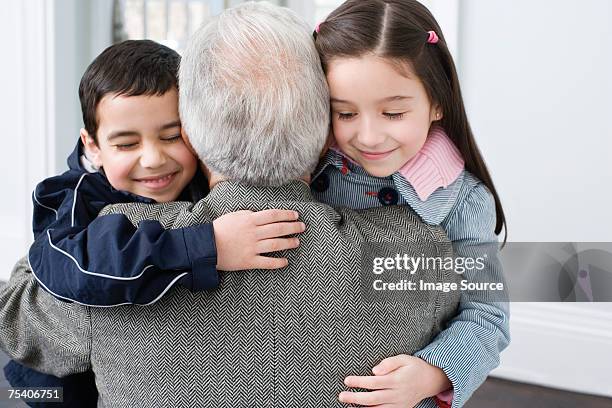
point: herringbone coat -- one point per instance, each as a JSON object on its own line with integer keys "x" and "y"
{"x": 284, "y": 338}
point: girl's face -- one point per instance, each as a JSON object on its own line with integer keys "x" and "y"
{"x": 380, "y": 118}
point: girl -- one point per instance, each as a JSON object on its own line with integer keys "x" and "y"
{"x": 401, "y": 136}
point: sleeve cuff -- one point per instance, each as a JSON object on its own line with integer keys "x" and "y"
{"x": 452, "y": 397}
{"x": 202, "y": 253}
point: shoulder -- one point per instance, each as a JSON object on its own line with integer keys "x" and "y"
{"x": 473, "y": 197}
{"x": 165, "y": 213}
{"x": 93, "y": 185}
{"x": 473, "y": 215}
{"x": 65, "y": 181}
{"x": 394, "y": 223}
{"x": 471, "y": 186}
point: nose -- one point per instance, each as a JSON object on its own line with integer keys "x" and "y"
{"x": 152, "y": 156}
{"x": 368, "y": 136}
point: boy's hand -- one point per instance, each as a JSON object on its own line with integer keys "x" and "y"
{"x": 400, "y": 381}
{"x": 242, "y": 236}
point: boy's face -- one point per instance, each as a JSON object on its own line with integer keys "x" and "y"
{"x": 140, "y": 145}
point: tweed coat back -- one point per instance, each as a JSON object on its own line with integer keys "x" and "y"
{"x": 271, "y": 338}
{"x": 284, "y": 338}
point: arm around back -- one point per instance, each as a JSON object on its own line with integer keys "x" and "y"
{"x": 109, "y": 261}
{"x": 39, "y": 331}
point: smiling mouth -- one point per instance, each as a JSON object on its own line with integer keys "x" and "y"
{"x": 158, "y": 182}
{"x": 376, "y": 155}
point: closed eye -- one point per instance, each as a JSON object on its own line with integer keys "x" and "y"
{"x": 173, "y": 138}
{"x": 125, "y": 146}
{"x": 395, "y": 116}
{"x": 346, "y": 115}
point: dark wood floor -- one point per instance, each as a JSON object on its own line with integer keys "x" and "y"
{"x": 498, "y": 393}
{"x": 493, "y": 393}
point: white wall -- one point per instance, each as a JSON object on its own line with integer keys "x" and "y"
{"x": 82, "y": 29}
{"x": 536, "y": 79}
{"x": 50, "y": 43}
{"x": 537, "y": 84}
{"x": 12, "y": 214}
{"x": 26, "y": 123}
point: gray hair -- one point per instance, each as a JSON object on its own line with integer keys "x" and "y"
{"x": 253, "y": 99}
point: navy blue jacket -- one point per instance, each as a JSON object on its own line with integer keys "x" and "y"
{"x": 106, "y": 261}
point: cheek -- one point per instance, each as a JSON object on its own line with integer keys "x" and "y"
{"x": 410, "y": 135}
{"x": 342, "y": 131}
{"x": 183, "y": 156}
{"x": 118, "y": 169}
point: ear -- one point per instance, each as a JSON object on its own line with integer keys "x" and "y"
{"x": 436, "y": 113}
{"x": 92, "y": 151}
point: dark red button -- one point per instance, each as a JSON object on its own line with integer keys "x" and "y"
{"x": 388, "y": 196}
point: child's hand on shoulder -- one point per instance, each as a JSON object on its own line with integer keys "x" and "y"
{"x": 242, "y": 236}
{"x": 400, "y": 381}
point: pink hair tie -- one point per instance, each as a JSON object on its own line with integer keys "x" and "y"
{"x": 433, "y": 37}
{"x": 317, "y": 28}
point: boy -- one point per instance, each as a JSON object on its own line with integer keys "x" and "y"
{"x": 131, "y": 150}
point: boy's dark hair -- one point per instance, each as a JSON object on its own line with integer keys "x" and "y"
{"x": 129, "y": 68}
{"x": 399, "y": 30}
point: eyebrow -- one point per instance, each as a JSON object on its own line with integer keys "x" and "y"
{"x": 387, "y": 99}
{"x": 114, "y": 135}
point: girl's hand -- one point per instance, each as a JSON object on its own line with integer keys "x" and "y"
{"x": 400, "y": 381}
{"x": 242, "y": 236}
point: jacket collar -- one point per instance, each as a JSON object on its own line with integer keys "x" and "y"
{"x": 436, "y": 165}
{"x": 295, "y": 190}
{"x": 74, "y": 160}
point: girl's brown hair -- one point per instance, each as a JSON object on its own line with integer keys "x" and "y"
{"x": 398, "y": 30}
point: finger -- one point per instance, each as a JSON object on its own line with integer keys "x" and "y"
{"x": 269, "y": 216}
{"x": 364, "y": 398}
{"x": 234, "y": 216}
{"x": 390, "y": 364}
{"x": 265, "y": 262}
{"x": 279, "y": 229}
{"x": 368, "y": 382}
{"x": 279, "y": 244}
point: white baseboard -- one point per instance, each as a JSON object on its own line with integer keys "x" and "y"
{"x": 564, "y": 346}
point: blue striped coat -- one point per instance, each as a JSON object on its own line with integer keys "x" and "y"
{"x": 469, "y": 348}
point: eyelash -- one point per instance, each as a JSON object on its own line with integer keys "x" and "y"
{"x": 395, "y": 116}
{"x": 391, "y": 116}
{"x": 172, "y": 138}
{"x": 125, "y": 146}
{"x": 345, "y": 116}
{"x": 128, "y": 146}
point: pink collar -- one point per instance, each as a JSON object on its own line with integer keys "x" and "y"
{"x": 436, "y": 165}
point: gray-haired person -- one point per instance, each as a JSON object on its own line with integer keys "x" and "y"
{"x": 254, "y": 104}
